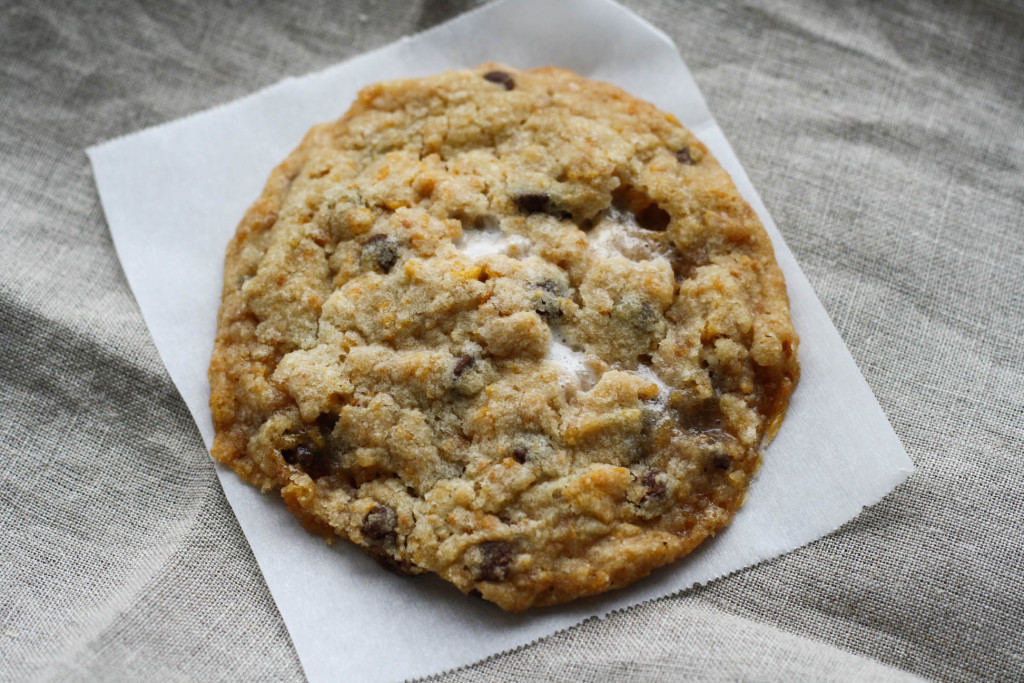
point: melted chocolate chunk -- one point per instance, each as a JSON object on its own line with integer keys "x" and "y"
{"x": 655, "y": 486}
{"x": 549, "y": 303}
{"x": 684, "y": 157}
{"x": 380, "y": 523}
{"x": 463, "y": 364}
{"x": 548, "y": 309}
{"x": 495, "y": 561}
{"x": 297, "y": 455}
{"x": 649, "y": 492}
{"x": 396, "y": 566}
{"x": 645, "y": 318}
{"x": 721, "y": 461}
{"x": 501, "y": 78}
{"x": 314, "y": 462}
{"x": 635, "y": 312}
{"x": 520, "y": 453}
{"x": 380, "y": 253}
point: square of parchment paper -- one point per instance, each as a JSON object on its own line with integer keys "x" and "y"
{"x": 173, "y": 195}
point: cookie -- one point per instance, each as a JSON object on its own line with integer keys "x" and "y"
{"x": 516, "y": 328}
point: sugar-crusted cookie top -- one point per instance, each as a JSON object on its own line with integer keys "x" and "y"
{"x": 513, "y": 327}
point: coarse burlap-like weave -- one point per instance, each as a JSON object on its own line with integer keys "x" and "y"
{"x": 886, "y": 138}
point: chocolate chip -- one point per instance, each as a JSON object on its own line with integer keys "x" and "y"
{"x": 380, "y": 253}
{"x": 396, "y": 565}
{"x": 463, "y": 364}
{"x": 495, "y": 561}
{"x": 721, "y": 461}
{"x": 637, "y": 313}
{"x": 548, "y": 308}
{"x": 683, "y": 156}
{"x": 654, "y": 484}
{"x": 380, "y": 523}
{"x": 549, "y": 304}
{"x": 519, "y": 454}
{"x": 314, "y": 462}
{"x": 297, "y": 455}
{"x": 501, "y": 78}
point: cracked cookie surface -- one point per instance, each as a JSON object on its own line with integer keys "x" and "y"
{"x": 516, "y": 328}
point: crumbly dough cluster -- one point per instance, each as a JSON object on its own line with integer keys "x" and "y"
{"x": 513, "y": 327}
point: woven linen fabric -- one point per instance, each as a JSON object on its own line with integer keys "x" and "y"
{"x": 887, "y": 139}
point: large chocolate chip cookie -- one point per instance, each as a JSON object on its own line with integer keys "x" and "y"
{"x": 513, "y": 327}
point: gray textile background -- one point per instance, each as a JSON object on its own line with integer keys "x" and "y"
{"x": 886, "y": 138}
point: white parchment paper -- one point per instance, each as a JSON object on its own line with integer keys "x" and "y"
{"x": 173, "y": 196}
